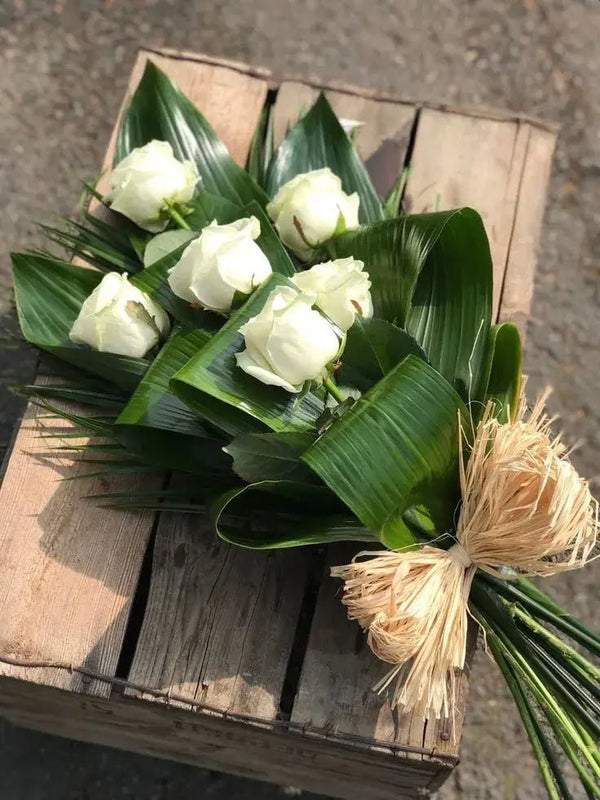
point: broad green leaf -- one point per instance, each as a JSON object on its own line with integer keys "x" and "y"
{"x": 270, "y": 456}
{"x": 164, "y": 244}
{"x": 205, "y": 208}
{"x": 432, "y": 275}
{"x": 182, "y": 451}
{"x": 373, "y": 347}
{"x": 159, "y": 110}
{"x": 503, "y": 378}
{"x": 49, "y": 294}
{"x": 275, "y": 514}
{"x": 152, "y": 404}
{"x": 397, "y": 447}
{"x": 316, "y": 141}
{"x": 214, "y": 372}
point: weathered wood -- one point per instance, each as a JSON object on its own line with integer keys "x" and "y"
{"x": 310, "y": 760}
{"x": 69, "y": 569}
{"x": 220, "y": 621}
{"x": 517, "y": 289}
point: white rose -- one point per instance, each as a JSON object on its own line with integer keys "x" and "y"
{"x": 222, "y": 260}
{"x": 313, "y": 202}
{"x": 341, "y": 288}
{"x": 146, "y": 180}
{"x": 289, "y": 342}
{"x": 119, "y": 318}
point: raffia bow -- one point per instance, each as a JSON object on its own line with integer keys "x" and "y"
{"x": 523, "y": 506}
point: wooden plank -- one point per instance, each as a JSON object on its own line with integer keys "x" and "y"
{"x": 465, "y": 161}
{"x": 220, "y": 621}
{"x": 381, "y": 140}
{"x": 517, "y": 290}
{"x": 306, "y": 760}
{"x": 68, "y": 569}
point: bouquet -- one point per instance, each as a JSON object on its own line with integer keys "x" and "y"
{"x": 325, "y": 368}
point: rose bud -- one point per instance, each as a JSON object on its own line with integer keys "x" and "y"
{"x": 341, "y": 288}
{"x": 223, "y": 260}
{"x": 119, "y": 318}
{"x": 289, "y": 342}
{"x": 310, "y": 208}
{"x": 146, "y": 181}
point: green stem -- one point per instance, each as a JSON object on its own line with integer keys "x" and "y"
{"x": 543, "y": 607}
{"x": 550, "y": 770}
{"x": 333, "y": 390}
{"x": 562, "y": 724}
{"x": 176, "y": 217}
{"x": 569, "y": 652}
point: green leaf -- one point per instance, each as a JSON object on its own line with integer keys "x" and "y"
{"x": 391, "y": 206}
{"x": 316, "y": 141}
{"x": 152, "y": 404}
{"x": 159, "y": 110}
{"x": 164, "y": 244}
{"x": 214, "y": 372}
{"x": 373, "y": 348}
{"x": 432, "y": 275}
{"x": 270, "y": 456}
{"x": 275, "y": 514}
{"x": 502, "y": 379}
{"x": 204, "y": 208}
{"x": 261, "y": 149}
{"x": 397, "y": 447}
{"x": 49, "y": 294}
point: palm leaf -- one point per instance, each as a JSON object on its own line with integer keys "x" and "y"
{"x": 423, "y": 281}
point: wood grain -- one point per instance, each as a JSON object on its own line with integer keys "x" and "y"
{"x": 263, "y": 752}
{"x": 220, "y": 621}
{"x": 517, "y": 289}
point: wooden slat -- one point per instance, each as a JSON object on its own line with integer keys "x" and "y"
{"x": 381, "y": 140}
{"x": 69, "y": 569}
{"x": 466, "y": 161}
{"x": 345, "y": 770}
{"x": 517, "y": 290}
{"x": 220, "y": 621}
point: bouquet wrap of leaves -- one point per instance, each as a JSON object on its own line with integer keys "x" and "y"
{"x": 325, "y": 368}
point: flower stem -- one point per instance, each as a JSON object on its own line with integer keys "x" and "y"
{"x": 567, "y": 651}
{"x": 333, "y": 390}
{"x": 176, "y": 217}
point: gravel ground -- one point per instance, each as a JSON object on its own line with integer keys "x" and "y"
{"x": 63, "y": 70}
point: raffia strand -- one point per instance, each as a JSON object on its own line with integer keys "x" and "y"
{"x": 523, "y": 506}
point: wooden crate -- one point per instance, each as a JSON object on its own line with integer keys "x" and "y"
{"x": 144, "y": 632}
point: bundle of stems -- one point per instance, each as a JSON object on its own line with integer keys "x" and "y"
{"x": 555, "y": 685}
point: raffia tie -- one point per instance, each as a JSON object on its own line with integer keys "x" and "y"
{"x": 523, "y": 506}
